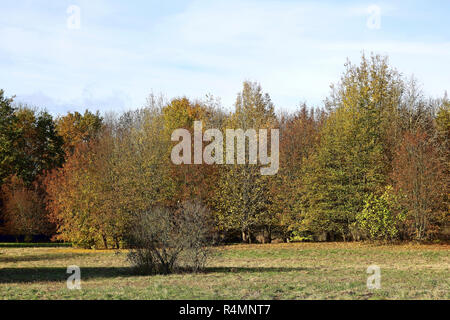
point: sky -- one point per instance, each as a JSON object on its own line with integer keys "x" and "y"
{"x": 109, "y": 55}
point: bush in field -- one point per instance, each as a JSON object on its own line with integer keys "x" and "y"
{"x": 164, "y": 240}
{"x": 381, "y": 218}
{"x": 195, "y": 227}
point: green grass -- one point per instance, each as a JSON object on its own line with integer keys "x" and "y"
{"x": 278, "y": 271}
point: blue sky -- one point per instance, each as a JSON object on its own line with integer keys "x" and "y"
{"x": 124, "y": 50}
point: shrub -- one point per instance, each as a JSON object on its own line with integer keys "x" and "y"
{"x": 298, "y": 236}
{"x": 195, "y": 227}
{"x": 381, "y": 217}
{"x": 164, "y": 240}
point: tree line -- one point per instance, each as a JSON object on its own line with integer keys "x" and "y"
{"x": 371, "y": 164}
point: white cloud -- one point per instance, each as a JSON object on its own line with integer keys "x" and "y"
{"x": 294, "y": 49}
{"x": 86, "y": 100}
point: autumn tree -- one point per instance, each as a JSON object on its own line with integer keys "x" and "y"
{"x": 68, "y": 202}
{"x": 420, "y": 179}
{"x": 24, "y": 210}
{"x": 442, "y": 125}
{"x": 242, "y": 197}
{"x": 352, "y": 160}
{"x": 120, "y": 172}
{"x": 29, "y": 145}
{"x": 76, "y": 128}
{"x": 192, "y": 181}
{"x": 299, "y": 138}
{"x": 420, "y": 162}
{"x": 336, "y": 164}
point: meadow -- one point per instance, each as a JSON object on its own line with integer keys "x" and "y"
{"x": 271, "y": 271}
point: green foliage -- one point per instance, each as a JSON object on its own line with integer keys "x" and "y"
{"x": 350, "y": 160}
{"x": 242, "y": 198}
{"x": 41, "y": 145}
{"x": 380, "y": 218}
{"x": 297, "y": 236}
{"x": 10, "y": 133}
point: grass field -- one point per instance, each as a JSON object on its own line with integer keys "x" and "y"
{"x": 277, "y": 271}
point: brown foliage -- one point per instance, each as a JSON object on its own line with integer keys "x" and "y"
{"x": 24, "y": 209}
{"x": 419, "y": 177}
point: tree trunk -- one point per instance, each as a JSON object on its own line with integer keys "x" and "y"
{"x": 244, "y": 236}
{"x": 269, "y": 234}
{"x": 105, "y": 242}
{"x": 117, "y": 243}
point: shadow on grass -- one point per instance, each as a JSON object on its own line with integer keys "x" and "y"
{"x": 250, "y": 269}
{"x": 40, "y": 257}
{"x": 24, "y": 275}
{"x": 30, "y": 275}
